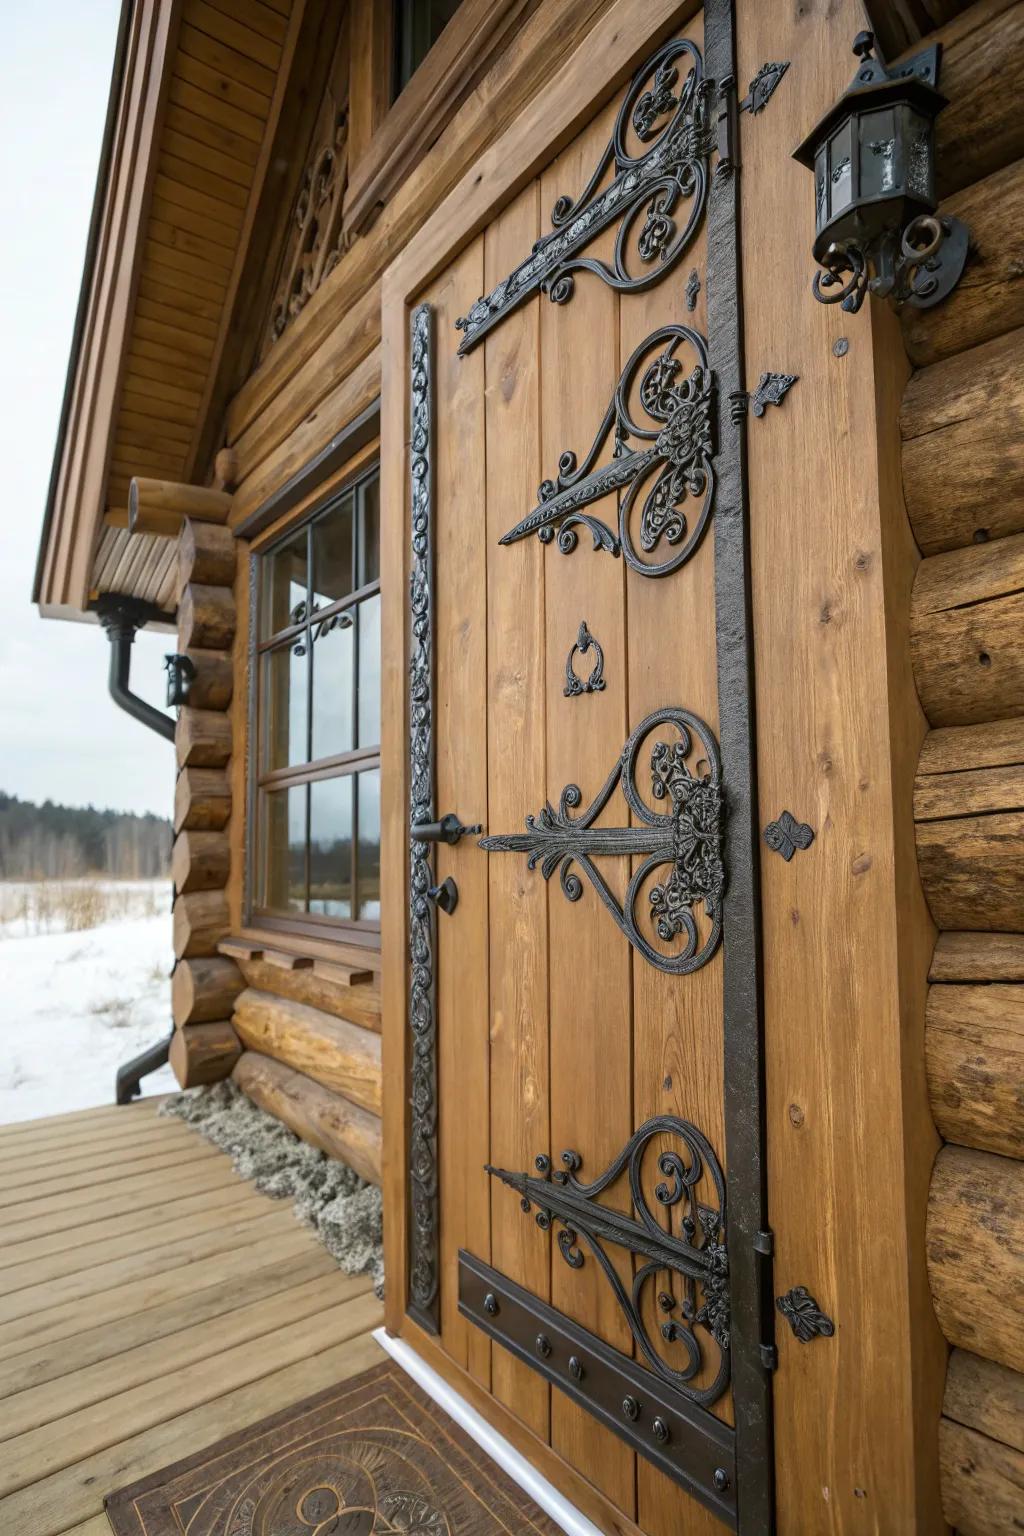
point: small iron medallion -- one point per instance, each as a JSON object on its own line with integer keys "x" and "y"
{"x": 595, "y": 682}
{"x": 804, "y": 1316}
{"x": 787, "y": 834}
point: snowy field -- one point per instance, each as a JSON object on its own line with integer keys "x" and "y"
{"x": 84, "y": 968}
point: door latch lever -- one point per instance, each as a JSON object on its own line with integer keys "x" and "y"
{"x": 448, "y": 830}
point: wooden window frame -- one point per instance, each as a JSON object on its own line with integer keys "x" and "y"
{"x": 382, "y": 156}
{"x": 359, "y": 932}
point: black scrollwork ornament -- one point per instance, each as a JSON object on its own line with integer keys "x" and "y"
{"x": 685, "y": 839}
{"x": 771, "y": 390}
{"x": 662, "y": 451}
{"x": 574, "y": 685}
{"x": 763, "y": 87}
{"x": 669, "y": 107}
{"x": 686, "y": 1267}
{"x": 804, "y": 1316}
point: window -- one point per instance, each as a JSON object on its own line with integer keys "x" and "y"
{"x": 316, "y": 849}
{"x": 418, "y": 25}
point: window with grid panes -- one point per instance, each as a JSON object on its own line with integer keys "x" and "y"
{"x": 317, "y": 823}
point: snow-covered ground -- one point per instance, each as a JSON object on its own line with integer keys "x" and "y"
{"x": 77, "y": 1001}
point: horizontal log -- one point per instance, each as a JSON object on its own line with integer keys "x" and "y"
{"x": 995, "y": 744}
{"x": 200, "y": 861}
{"x": 982, "y": 128}
{"x": 339, "y": 1055}
{"x": 204, "y": 989}
{"x": 985, "y": 1396}
{"x": 972, "y": 871}
{"x": 966, "y": 617}
{"x": 202, "y": 738}
{"x": 206, "y": 618}
{"x": 962, "y": 424}
{"x": 974, "y": 1049}
{"x": 978, "y": 957}
{"x": 975, "y": 1246}
{"x": 358, "y": 1004}
{"x": 982, "y": 1482}
{"x": 213, "y": 684}
{"x": 206, "y": 554}
{"x": 161, "y": 506}
{"x": 988, "y": 301}
{"x": 200, "y": 920}
{"x": 203, "y": 1053}
{"x": 202, "y": 800}
{"x": 324, "y": 1119}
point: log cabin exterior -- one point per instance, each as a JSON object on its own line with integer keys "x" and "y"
{"x": 297, "y": 438}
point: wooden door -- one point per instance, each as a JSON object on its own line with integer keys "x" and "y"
{"x": 581, "y": 1185}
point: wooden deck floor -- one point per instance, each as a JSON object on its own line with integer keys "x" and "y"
{"x": 150, "y": 1303}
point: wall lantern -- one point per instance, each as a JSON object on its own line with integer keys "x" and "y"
{"x": 180, "y": 675}
{"x": 873, "y": 158}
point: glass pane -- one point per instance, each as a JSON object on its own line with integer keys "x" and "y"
{"x": 283, "y": 706}
{"x": 369, "y": 845}
{"x": 841, "y": 189}
{"x": 283, "y": 844}
{"x": 332, "y": 554}
{"x": 333, "y": 682}
{"x": 418, "y": 25}
{"x": 369, "y": 532}
{"x": 369, "y": 672}
{"x": 330, "y": 847}
{"x": 284, "y": 586}
{"x": 877, "y": 154}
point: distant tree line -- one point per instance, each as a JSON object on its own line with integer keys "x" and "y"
{"x": 39, "y": 842}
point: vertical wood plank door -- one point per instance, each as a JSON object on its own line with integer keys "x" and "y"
{"x": 576, "y": 1127}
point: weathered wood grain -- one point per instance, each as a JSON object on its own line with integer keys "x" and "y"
{"x": 339, "y": 1055}
{"x": 975, "y": 1241}
{"x": 982, "y": 1482}
{"x": 978, "y": 957}
{"x": 204, "y": 989}
{"x": 325, "y": 1119}
{"x": 974, "y": 1045}
{"x": 200, "y": 920}
{"x": 202, "y": 799}
{"x": 985, "y": 1396}
{"x": 972, "y": 871}
{"x": 206, "y": 617}
{"x": 200, "y": 861}
{"x": 203, "y": 1053}
{"x": 202, "y": 738}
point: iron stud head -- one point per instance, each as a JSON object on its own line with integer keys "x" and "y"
{"x": 721, "y": 1479}
{"x": 575, "y": 1368}
{"x": 661, "y": 1431}
{"x": 543, "y": 1345}
{"x": 491, "y": 1305}
{"x": 631, "y": 1409}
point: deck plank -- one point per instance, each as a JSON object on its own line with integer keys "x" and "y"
{"x": 151, "y": 1303}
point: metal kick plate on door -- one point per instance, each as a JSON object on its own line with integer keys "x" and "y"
{"x": 683, "y": 1440}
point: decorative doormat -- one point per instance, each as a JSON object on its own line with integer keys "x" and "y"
{"x": 372, "y": 1457}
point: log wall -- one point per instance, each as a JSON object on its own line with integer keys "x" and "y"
{"x": 962, "y": 428}
{"x": 204, "y": 985}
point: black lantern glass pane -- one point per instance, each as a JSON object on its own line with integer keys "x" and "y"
{"x": 841, "y": 170}
{"x": 879, "y": 173}
{"x": 821, "y": 188}
{"x": 919, "y": 171}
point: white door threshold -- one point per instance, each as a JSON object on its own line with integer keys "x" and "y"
{"x": 497, "y": 1447}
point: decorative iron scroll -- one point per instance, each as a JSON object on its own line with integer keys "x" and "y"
{"x": 674, "y": 447}
{"x": 804, "y": 1316}
{"x": 688, "y": 838}
{"x": 694, "y": 1256}
{"x": 673, "y": 170}
{"x": 423, "y": 1212}
{"x": 786, "y": 835}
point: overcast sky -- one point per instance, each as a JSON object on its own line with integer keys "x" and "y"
{"x": 61, "y": 737}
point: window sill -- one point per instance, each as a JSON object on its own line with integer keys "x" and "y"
{"x": 352, "y": 965}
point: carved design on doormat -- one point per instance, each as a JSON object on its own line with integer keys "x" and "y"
{"x": 671, "y": 171}
{"x": 787, "y": 834}
{"x": 685, "y": 1267}
{"x": 423, "y": 1213}
{"x": 574, "y": 685}
{"x": 687, "y": 839}
{"x": 673, "y": 447}
{"x": 371, "y": 1457}
{"x": 804, "y": 1316}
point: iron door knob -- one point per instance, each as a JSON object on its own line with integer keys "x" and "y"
{"x": 448, "y": 830}
{"x": 445, "y": 895}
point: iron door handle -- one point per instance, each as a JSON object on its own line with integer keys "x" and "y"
{"x": 448, "y": 830}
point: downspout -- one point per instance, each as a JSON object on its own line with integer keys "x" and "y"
{"x": 122, "y": 617}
